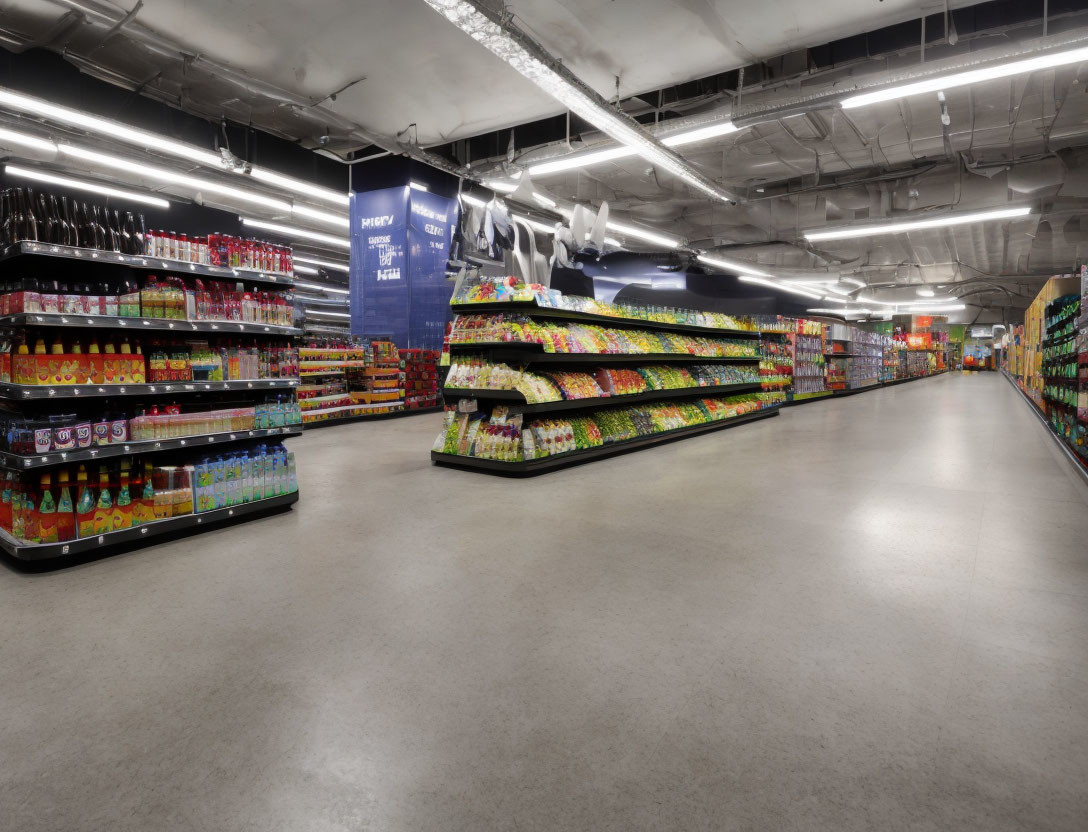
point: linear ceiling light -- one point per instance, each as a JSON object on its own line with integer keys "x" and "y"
{"x": 973, "y": 76}
{"x": 418, "y": 186}
{"x": 643, "y": 234}
{"x": 80, "y": 185}
{"x": 731, "y": 266}
{"x": 543, "y": 228}
{"x": 318, "y": 288}
{"x": 301, "y": 233}
{"x": 609, "y": 154}
{"x": 923, "y": 292}
{"x": 10, "y": 137}
{"x": 916, "y": 225}
{"x": 16, "y": 102}
{"x": 782, "y": 287}
{"x": 329, "y": 314}
{"x": 496, "y": 34}
{"x": 325, "y": 264}
{"x": 304, "y": 269}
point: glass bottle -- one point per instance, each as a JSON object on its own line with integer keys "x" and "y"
{"x": 66, "y": 518}
{"x": 103, "y": 510}
{"x": 31, "y": 217}
{"x": 47, "y": 512}
{"x": 84, "y": 505}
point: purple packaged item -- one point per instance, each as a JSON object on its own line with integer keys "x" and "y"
{"x": 119, "y": 430}
{"x": 64, "y": 439}
{"x": 83, "y": 434}
{"x": 101, "y": 433}
{"x": 43, "y": 440}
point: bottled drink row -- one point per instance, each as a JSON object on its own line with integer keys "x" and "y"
{"x": 45, "y": 509}
{"x": 85, "y": 362}
{"x": 160, "y": 296}
{"x": 26, "y": 215}
{"x": 72, "y": 432}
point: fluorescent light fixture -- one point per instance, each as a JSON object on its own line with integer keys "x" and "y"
{"x": 134, "y": 168}
{"x": 610, "y": 154}
{"x": 469, "y": 199}
{"x": 643, "y": 234}
{"x": 16, "y": 102}
{"x": 298, "y": 186}
{"x": 499, "y": 186}
{"x": 832, "y": 299}
{"x": 916, "y": 225}
{"x": 79, "y": 185}
{"x": 782, "y": 287}
{"x": 418, "y": 186}
{"x": 10, "y": 137}
{"x": 973, "y": 76}
{"x": 497, "y": 35}
{"x": 304, "y": 269}
{"x": 301, "y": 233}
{"x": 940, "y": 310}
{"x": 581, "y": 160}
{"x": 923, "y": 292}
{"x": 699, "y": 134}
{"x": 854, "y": 281}
{"x": 547, "y": 202}
{"x": 612, "y": 241}
{"x": 543, "y": 228}
{"x": 319, "y": 288}
{"x": 820, "y": 311}
{"x": 328, "y": 314}
{"x": 325, "y": 264}
{"x": 731, "y": 266}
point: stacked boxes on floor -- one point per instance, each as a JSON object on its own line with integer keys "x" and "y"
{"x": 420, "y": 378}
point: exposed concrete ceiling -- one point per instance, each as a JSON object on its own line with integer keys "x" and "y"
{"x": 363, "y": 73}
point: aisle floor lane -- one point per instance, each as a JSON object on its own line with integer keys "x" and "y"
{"x": 867, "y": 613}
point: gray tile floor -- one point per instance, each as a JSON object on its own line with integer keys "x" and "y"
{"x": 865, "y": 614}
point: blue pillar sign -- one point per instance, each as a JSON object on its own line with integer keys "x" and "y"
{"x": 431, "y": 224}
{"x": 379, "y": 263}
{"x": 400, "y": 242}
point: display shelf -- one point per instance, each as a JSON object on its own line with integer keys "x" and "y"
{"x": 528, "y": 468}
{"x": 19, "y": 462}
{"x": 529, "y": 353}
{"x": 367, "y": 417}
{"x": 516, "y": 398}
{"x": 533, "y": 310}
{"x": 804, "y": 398}
{"x": 134, "y": 325}
{"x": 1079, "y": 465}
{"x": 30, "y": 392}
{"x": 141, "y": 262}
{"x": 103, "y": 544}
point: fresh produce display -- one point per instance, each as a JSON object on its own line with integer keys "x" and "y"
{"x": 502, "y": 435}
{"x": 577, "y": 385}
{"x": 509, "y": 290}
{"x": 471, "y": 373}
{"x": 587, "y": 338}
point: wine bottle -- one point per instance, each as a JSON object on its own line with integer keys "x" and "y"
{"x": 62, "y": 235}
{"x": 45, "y": 219}
{"x": 31, "y": 218}
{"x": 71, "y": 210}
{"x": 128, "y": 235}
{"x": 6, "y": 217}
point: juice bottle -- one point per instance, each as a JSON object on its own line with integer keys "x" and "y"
{"x": 39, "y": 347}
{"x": 47, "y": 513}
{"x": 122, "y": 509}
{"x": 103, "y": 510}
{"x": 66, "y": 518}
{"x": 30, "y": 515}
{"x": 144, "y": 511}
{"x": 17, "y": 518}
{"x": 5, "y": 503}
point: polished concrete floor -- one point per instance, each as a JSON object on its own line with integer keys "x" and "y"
{"x": 865, "y": 614}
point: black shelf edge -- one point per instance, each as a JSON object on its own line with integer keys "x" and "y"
{"x": 371, "y": 417}
{"x": 111, "y": 542}
{"x": 139, "y": 261}
{"x": 19, "y": 462}
{"x": 1081, "y": 466}
{"x": 145, "y": 324}
{"x": 45, "y": 392}
{"x": 531, "y": 309}
{"x": 539, "y": 466}
{"x": 533, "y": 353}
{"x": 578, "y": 404}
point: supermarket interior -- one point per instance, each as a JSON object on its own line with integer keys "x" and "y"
{"x": 469, "y": 415}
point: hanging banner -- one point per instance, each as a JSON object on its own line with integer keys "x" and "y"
{"x": 432, "y": 221}
{"x": 379, "y": 263}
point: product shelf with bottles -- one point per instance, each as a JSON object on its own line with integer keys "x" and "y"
{"x": 810, "y": 362}
{"x": 136, "y": 403}
{"x": 528, "y": 392}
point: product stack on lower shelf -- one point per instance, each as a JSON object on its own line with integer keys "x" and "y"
{"x": 142, "y": 397}
{"x": 776, "y": 349}
{"x": 1062, "y": 372}
{"x": 420, "y": 379}
{"x": 539, "y": 380}
{"x": 809, "y": 365}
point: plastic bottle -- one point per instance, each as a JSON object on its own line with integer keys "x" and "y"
{"x": 103, "y": 510}
{"x": 145, "y": 503}
{"x": 66, "y": 518}
{"x": 47, "y": 513}
{"x": 122, "y": 509}
{"x": 30, "y": 515}
{"x": 5, "y": 502}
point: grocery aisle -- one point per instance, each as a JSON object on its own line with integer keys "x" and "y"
{"x": 868, "y": 613}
